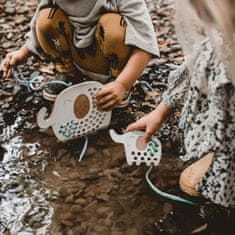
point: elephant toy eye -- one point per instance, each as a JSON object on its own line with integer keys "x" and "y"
{"x": 81, "y": 106}
{"x": 140, "y": 143}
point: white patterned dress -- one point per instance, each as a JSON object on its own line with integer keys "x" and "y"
{"x": 207, "y": 120}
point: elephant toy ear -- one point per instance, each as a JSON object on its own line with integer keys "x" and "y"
{"x": 136, "y": 150}
{"x": 115, "y": 136}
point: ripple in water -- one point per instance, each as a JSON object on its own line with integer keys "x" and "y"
{"x": 25, "y": 202}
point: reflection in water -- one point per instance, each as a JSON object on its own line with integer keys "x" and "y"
{"x": 25, "y": 202}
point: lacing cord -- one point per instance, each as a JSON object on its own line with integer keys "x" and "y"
{"x": 163, "y": 194}
{"x": 36, "y": 83}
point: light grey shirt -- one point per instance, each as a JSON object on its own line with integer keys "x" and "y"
{"x": 84, "y": 15}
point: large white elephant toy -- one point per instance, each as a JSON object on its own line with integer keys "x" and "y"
{"x": 136, "y": 150}
{"x": 75, "y": 113}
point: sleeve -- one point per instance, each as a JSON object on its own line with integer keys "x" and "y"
{"x": 32, "y": 42}
{"x": 139, "y": 32}
{"x": 178, "y": 85}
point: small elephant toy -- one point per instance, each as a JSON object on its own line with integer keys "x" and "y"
{"x": 75, "y": 113}
{"x": 136, "y": 150}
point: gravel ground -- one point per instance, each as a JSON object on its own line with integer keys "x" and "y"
{"x": 45, "y": 190}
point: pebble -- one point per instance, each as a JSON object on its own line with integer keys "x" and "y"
{"x": 76, "y": 209}
{"x": 90, "y": 151}
{"x": 6, "y": 45}
{"x": 70, "y": 199}
{"x": 10, "y": 10}
{"x": 81, "y": 201}
{"x": 103, "y": 211}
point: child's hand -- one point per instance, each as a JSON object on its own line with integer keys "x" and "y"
{"x": 110, "y": 96}
{"x": 151, "y": 122}
{"x": 12, "y": 59}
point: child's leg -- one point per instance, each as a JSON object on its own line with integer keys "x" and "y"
{"x": 110, "y": 35}
{"x": 108, "y": 54}
{"x": 54, "y": 34}
{"x": 192, "y": 175}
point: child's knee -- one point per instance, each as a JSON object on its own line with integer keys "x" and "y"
{"x": 48, "y": 19}
{"x": 193, "y": 174}
{"x": 188, "y": 183}
{"x": 111, "y": 30}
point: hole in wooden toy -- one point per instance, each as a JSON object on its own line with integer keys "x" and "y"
{"x": 133, "y": 153}
{"x": 140, "y": 143}
{"x": 135, "y": 158}
{"x": 81, "y": 106}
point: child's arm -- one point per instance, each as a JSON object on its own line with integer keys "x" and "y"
{"x": 29, "y": 48}
{"x": 14, "y": 58}
{"x": 113, "y": 93}
{"x": 151, "y": 122}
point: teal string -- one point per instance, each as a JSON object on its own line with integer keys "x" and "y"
{"x": 163, "y": 194}
{"x": 82, "y": 154}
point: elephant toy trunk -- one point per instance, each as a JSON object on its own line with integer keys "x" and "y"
{"x": 116, "y": 137}
{"x": 42, "y": 120}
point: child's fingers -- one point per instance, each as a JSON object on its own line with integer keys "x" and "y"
{"x": 103, "y": 93}
{"x": 13, "y": 61}
{"x": 108, "y": 105}
{"x": 104, "y": 100}
{"x": 8, "y": 74}
{"x": 135, "y": 126}
{"x": 149, "y": 132}
{"x": 148, "y": 135}
{"x": 5, "y": 64}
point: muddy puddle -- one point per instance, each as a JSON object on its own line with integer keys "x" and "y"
{"x": 45, "y": 190}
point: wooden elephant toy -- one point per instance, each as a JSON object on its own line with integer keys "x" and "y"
{"x": 75, "y": 113}
{"x": 136, "y": 150}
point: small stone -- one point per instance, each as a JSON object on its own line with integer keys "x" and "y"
{"x": 92, "y": 206}
{"x": 76, "y": 209}
{"x": 82, "y": 202}
{"x": 9, "y": 36}
{"x": 103, "y": 211}
{"x": 66, "y": 216}
{"x": 132, "y": 231}
{"x": 20, "y": 19}
{"x": 107, "y": 153}
{"x": 67, "y": 223}
{"x": 70, "y": 199}
{"x": 74, "y": 175}
{"x": 6, "y": 45}
{"x": 90, "y": 151}
{"x": 103, "y": 197}
{"x": 10, "y": 10}
{"x": 100, "y": 229}
{"x": 5, "y": 106}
